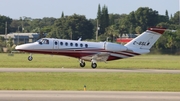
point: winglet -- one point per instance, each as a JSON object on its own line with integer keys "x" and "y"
{"x": 157, "y": 30}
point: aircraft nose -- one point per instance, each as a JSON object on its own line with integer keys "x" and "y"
{"x": 21, "y": 47}
{"x": 24, "y": 47}
{"x": 18, "y": 47}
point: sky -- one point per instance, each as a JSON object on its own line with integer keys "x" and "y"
{"x": 54, "y": 8}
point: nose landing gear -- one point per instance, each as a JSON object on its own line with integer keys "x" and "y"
{"x": 30, "y": 58}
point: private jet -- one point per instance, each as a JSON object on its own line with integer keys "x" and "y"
{"x": 94, "y": 51}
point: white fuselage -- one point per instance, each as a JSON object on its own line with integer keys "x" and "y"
{"x": 77, "y": 49}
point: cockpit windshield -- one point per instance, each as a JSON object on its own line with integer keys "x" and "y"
{"x": 43, "y": 41}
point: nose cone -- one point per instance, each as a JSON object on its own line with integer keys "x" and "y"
{"x": 19, "y": 47}
{"x": 23, "y": 47}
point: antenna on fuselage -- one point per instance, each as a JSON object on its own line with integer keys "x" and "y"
{"x": 79, "y": 39}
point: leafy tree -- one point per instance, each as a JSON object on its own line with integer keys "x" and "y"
{"x": 72, "y": 27}
{"x": 175, "y": 18}
{"x": 132, "y": 22}
{"x": 159, "y": 45}
{"x": 112, "y": 32}
{"x": 138, "y": 30}
{"x": 2, "y": 41}
{"x": 99, "y": 14}
{"x": 15, "y": 25}
{"x": 124, "y": 24}
{"x": 169, "y": 41}
{"x": 103, "y": 18}
{"x": 40, "y": 25}
{"x": 163, "y": 25}
{"x": 162, "y": 18}
{"x": 94, "y": 24}
{"x": 146, "y": 17}
{"x": 111, "y": 19}
{"x": 3, "y": 20}
{"x": 10, "y": 42}
{"x": 62, "y": 15}
{"x": 167, "y": 15}
{"x": 114, "y": 19}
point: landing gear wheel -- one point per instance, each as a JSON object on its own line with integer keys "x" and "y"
{"x": 93, "y": 65}
{"x": 82, "y": 64}
{"x": 30, "y": 58}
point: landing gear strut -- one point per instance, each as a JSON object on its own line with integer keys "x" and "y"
{"x": 30, "y": 58}
{"x": 82, "y": 63}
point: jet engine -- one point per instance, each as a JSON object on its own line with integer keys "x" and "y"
{"x": 114, "y": 47}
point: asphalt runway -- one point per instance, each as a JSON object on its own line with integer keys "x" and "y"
{"x": 87, "y": 96}
{"x": 87, "y": 70}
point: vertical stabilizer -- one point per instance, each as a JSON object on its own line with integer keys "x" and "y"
{"x": 146, "y": 40}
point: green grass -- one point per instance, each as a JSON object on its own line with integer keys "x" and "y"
{"x": 93, "y": 81}
{"x": 49, "y": 61}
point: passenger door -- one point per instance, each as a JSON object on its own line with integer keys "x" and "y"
{"x": 55, "y": 44}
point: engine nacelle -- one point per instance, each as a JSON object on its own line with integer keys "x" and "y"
{"x": 114, "y": 47}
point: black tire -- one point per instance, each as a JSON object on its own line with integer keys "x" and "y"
{"x": 93, "y": 65}
{"x": 30, "y": 58}
{"x": 82, "y": 64}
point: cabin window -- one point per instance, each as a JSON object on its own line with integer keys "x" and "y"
{"x": 76, "y": 44}
{"x": 66, "y": 44}
{"x": 55, "y": 43}
{"x": 61, "y": 43}
{"x": 81, "y": 45}
{"x": 71, "y": 44}
{"x": 86, "y": 45}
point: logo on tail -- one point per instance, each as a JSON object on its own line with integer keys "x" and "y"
{"x": 141, "y": 43}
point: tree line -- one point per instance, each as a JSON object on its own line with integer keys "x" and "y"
{"x": 106, "y": 25}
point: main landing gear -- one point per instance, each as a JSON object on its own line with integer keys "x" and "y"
{"x": 82, "y": 63}
{"x": 30, "y": 58}
{"x": 93, "y": 63}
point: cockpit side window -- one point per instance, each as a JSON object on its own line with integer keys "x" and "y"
{"x": 46, "y": 41}
{"x": 43, "y": 41}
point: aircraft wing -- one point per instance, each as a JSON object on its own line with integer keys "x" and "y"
{"x": 101, "y": 57}
{"x": 108, "y": 56}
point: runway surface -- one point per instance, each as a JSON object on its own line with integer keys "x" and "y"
{"x": 87, "y": 70}
{"x": 87, "y": 96}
